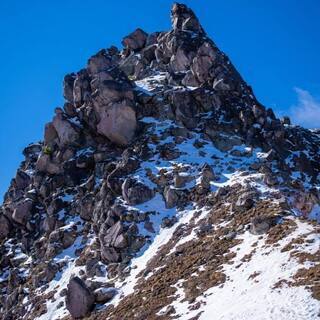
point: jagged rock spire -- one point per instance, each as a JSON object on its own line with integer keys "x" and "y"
{"x": 184, "y": 19}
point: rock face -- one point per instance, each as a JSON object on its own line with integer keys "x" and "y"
{"x": 79, "y": 300}
{"x": 67, "y": 133}
{"x": 135, "y": 40}
{"x": 5, "y": 227}
{"x": 163, "y": 176}
{"x": 23, "y": 211}
{"x": 118, "y": 123}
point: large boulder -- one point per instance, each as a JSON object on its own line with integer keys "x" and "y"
{"x": 135, "y": 40}
{"x": 134, "y": 192}
{"x": 45, "y": 163}
{"x": 22, "y": 179}
{"x": 110, "y": 86}
{"x": 23, "y": 211}
{"x": 79, "y": 299}
{"x": 50, "y": 134}
{"x": 67, "y": 132}
{"x": 203, "y": 62}
{"x": 99, "y": 62}
{"x": 118, "y": 122}
{"x": 112, "y": 240}
{"x": 114, "y": 236}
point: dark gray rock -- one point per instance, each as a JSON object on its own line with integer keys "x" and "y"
{"x": 134, "y": 192}
{"x": 67, "y": 132}
{"x": 23, "y": 211}
{"x": 79, "y": 299}
{"x": 183, "y": 19}
{"x": 118, "y": 122}
{"x": 135, "y": 40}
{"x": 22, "y": 179}
{"x": 99, "y": 62}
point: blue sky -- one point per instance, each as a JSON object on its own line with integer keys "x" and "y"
{"x": 275, "y": 45}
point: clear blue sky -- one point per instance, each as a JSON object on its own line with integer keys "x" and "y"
{"x": 275, "y": 44}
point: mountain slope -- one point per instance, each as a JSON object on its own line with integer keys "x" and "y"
{"x": 163, "y": 190}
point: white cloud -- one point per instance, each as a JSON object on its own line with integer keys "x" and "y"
{"x": 307, "y": 111}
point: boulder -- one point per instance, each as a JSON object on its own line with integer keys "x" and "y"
{"x": 110, "y": 255}
{"x": 181, "y": 60}
{"x": 79, "y": 299}
{"x": 113, "y": 236}
{"x": 134, "y": 192}
{"x": 32, "y": 150}
{"x": 110, "y": 86}
{"x": 67, "y": 132}
{"x": 22, "y": 179}
{"x": 45, "y": 164}
{"x": 118, "y": 123}
{"x": 104, "y": 295}
{"x": 135, "y": 40}
{"x": 171, "y": 197}
{"x": 49, "y": 224}
{"x": 204, "y": 62}
{"x": 50, "y": 134}
{"x": 23, "y": 211}
{"x": 87, "y": 207}
{"x": 99, "y": 62}
{"x": 262, "y": 224}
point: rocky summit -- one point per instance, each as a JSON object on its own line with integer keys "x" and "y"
{"x": 163, "y": 189}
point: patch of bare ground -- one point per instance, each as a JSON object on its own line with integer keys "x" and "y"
{"x": 198, "y": 262}
{"x": 280, "y": 231}
{"x": 308, "y": 277}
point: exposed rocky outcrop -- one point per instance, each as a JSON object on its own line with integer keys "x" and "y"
{"x": 163, "y": 177}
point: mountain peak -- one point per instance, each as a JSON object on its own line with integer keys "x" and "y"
{"x": 183, "y": 19}
{"x": 163, "y": 189}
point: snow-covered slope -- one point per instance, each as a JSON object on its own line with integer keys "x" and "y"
{"x": 163, "y": 190}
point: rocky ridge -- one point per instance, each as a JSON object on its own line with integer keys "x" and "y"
{"x": 163, "y": 189}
